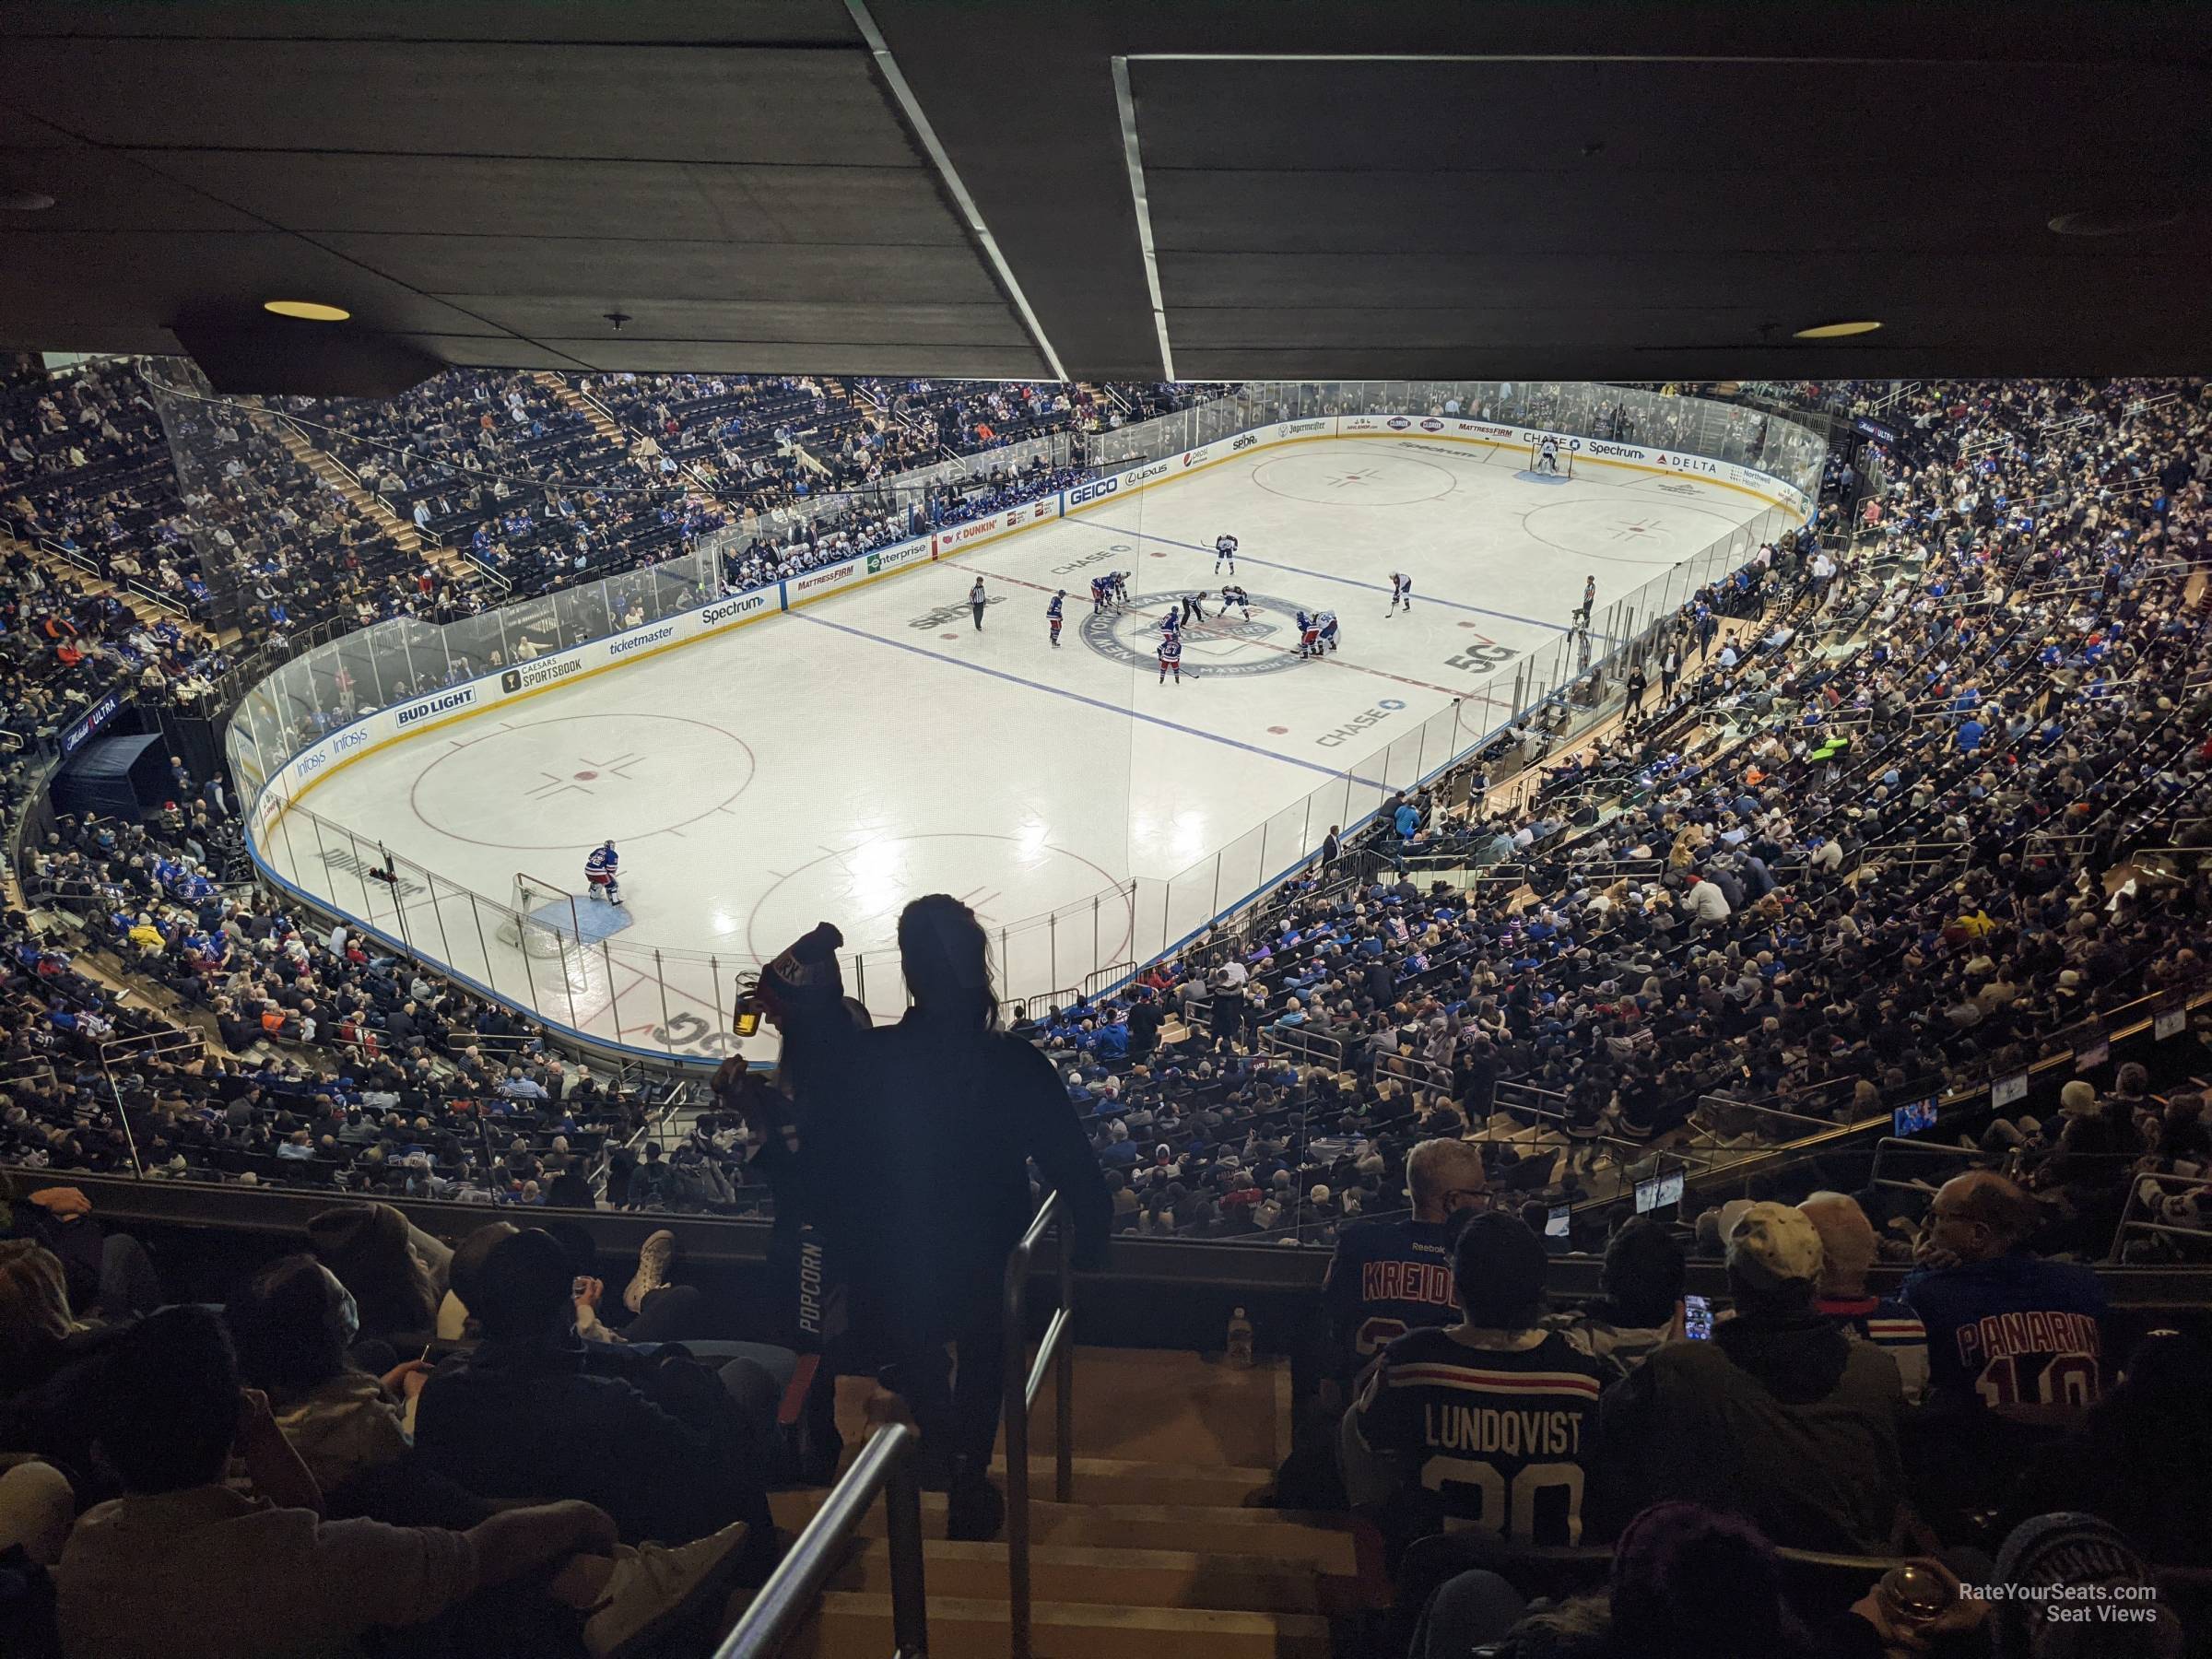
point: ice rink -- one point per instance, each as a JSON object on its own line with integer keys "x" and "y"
{"x": 834, "y": 762}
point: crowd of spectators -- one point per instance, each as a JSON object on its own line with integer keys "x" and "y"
{"x": 1855, "y": 852}
{"x": 1880, "y": 836}
{"x": 274, "y": 1053}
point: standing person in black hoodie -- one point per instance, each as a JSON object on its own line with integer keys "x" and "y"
{"x": 932, "y": 1124}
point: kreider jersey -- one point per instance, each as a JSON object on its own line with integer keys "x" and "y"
{"x": 1387, "y": 1278}
{"x": 1493, "y": 1438}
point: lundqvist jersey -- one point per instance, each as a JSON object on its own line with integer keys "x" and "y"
{"x": 1496, "y": 1438}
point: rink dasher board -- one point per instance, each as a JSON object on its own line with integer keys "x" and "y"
{"x": 295, "y": 778}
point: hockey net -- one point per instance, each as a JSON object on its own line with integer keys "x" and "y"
{"x": 1560, "y": 453}
{"x": 544, "y": 922}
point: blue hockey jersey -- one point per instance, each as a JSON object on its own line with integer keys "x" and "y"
{"x": 2015, "y": 1330}
{"x": 1387, "y": 1278}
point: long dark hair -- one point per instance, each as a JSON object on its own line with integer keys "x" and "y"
{"x": 947, "y": 957}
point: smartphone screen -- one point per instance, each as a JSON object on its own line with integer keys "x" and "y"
{"x": 1696, "y": 1318}
{"x": 1557, "y": 1224}
{"x": 745, "y": 1015}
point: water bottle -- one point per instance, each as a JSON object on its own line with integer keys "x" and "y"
{"x": 1239, "y": 1341}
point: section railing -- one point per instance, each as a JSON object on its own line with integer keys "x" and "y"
{"x": 1056, "y": 1359}
{"x": 793, "y": 1590}
{"x": 2145, "y": 1214}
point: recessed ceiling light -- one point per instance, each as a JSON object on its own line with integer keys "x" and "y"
{"x": 2115, "y": 221}
{"x": 308, "y": 310}
{"x": 1835, "y": 331}
{"x": 25, "y": 201}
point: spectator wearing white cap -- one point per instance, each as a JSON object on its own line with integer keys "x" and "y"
{"x": 1778, "y": 1418}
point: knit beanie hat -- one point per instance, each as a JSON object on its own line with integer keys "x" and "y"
{"x": 806, "y": 976}
{"x": 1687, "y": 1581}
{"x": 2079, "y": 1562}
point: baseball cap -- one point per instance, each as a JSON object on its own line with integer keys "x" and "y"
{"x": 1774, "y": 1245}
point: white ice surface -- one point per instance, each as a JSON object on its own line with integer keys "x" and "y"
{"x": 836, "y": 761}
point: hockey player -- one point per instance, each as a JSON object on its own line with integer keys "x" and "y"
{"x": 1401, "y": 593}
{"x": 1308, "y": 635}
{"x": 1547, "y": 455}
{"x": 1171, "y": 624}
{"x": 602, "y": 873}
{"x": 1233, "y": 594}
{"x": 1119, "y": 592}
{"x": 1053, "y": 615}
{"x": 1171, "y": 657}
{"x": 1225, "y": 553}
{"x": 1327, "y": 621}
{"x": 1194, "y": 606}
{"x": 1101, "y": 593}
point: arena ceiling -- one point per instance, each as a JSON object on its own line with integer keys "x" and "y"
{"x": 1261, "y": 189}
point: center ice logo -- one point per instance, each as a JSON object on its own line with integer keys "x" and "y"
{"x": 1219, "y": 645}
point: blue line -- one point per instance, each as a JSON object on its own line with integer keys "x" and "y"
{"x": 1375, "y": 587}
{"x": 1250, "y": 749}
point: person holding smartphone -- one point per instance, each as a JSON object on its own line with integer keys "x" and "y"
{"x": 1639, "y": 1300}
{"x": 1778, "y": 1417}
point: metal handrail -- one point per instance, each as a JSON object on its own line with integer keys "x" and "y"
{"x": 2168, "y": 1184}
{"x": 1055, "y": 1353}
{"x": 793, "y": 1590}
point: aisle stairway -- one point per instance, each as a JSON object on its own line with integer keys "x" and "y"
{"x": 364, "y": 502}
{"x": 1160, "y": 1553}
{"x": 590, "y": 408}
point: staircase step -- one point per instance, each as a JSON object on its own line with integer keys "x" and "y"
{"x": 855, "y": 1623}
{"x": 1315, "y": 1540}
{"x": 1121, "y": 1480}
{"x": 1150, "y": 1578}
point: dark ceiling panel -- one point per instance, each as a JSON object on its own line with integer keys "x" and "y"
{"x": 1536, "y": 212}
{"x": 49, "y": 280}
{"x": 799, "y": 322}
{"x": 771, "y": 357}
{"x": 1782, "y": 118}
{"x": 1859, "y": 283}
{"x": 655, "y": 103}
{"x": 767, "y": 22}
{"x": 518, "y": 196}
{"x": 493, "y": 264}
{"x": 1612, "y": 188}
{"x": 95, "y": 189}
{"x": 492, "y": 351}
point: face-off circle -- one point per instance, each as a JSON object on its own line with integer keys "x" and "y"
{"x": 582, "y": 779}
{"x": 862, "y": 889}
{"x": 1360, "y": 475}
{"x": 1219, "y": 645}
{"x": 1619, "y": 528}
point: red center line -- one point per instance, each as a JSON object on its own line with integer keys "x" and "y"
{"x": 1286, "y": 651}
